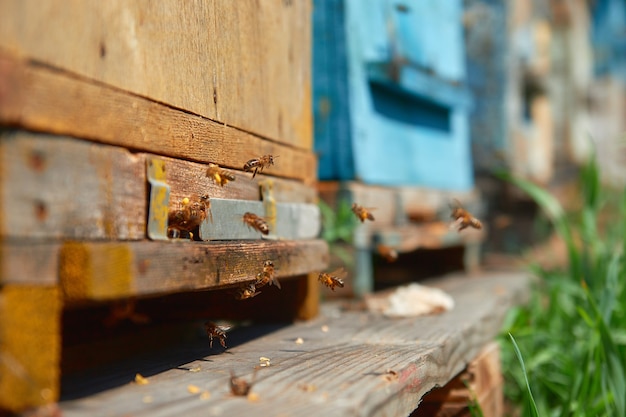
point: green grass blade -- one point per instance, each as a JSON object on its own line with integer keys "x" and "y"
{"x": 521, "y": 361}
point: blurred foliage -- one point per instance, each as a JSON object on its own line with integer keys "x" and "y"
{"x": 571, "y": 337}
{"x": 338, "y": 229}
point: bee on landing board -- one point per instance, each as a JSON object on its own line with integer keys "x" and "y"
{"x": 332, "y": 279}
{"x": 191, "y": 212}
{"x": 246, "y": 291}
{"x": 362, "y": 213}
{"x": 266, "y": 276}
{"x": 257, "y": 164}
{"x": 256, "y": 222}
{"x": 219, "y": 175}
{"x": 462, "y": 218}
{"x": 239, "y": 386}
{"x": 215, "y": 331}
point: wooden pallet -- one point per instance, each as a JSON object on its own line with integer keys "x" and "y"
{"x": 337, "y": 364}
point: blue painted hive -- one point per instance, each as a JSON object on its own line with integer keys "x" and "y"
{"x": 390, "y": 96}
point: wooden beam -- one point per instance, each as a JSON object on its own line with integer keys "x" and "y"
{"x": 30, "y": 345}
{"x": 53, "y": 187}
{"x": 101, "y": 271}
{"x": 246, "y": 65}
{"x": 339, "y": 368}
{"x": 61, "y": 187}
{"x": 40, "y": 98}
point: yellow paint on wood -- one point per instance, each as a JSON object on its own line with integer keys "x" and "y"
{"x": 95, "y": 272}
{"x": 30, "y": 345}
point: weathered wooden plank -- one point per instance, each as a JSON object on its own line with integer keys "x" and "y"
{"x": 109, "y": 270}
{"x": 480, "y": 383}
{"x": 29, "y": 262}
{"x": 186, "y": 178}
{"x": 337, "y": 370}
{"x": 57, "y": 187}
{"x": 206, "y": 57}
{"x": 291, "y": 221}
{"x": 40, "y": 98}
{"x": 60, "y": 187}
{"x": 30, "y": 345}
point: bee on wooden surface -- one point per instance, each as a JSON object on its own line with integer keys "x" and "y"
{"x": 239, "y": 386}
{"x": 387, "y": 252}
{"x": 267, "y": 276}
{"x": 257, "y": 164}
{"x": 256, "y": 222}
{"x": 219, "y": 175}
{"x": 191, "y": 212}
{"x": 332, "y": 279}
{"x": 362, "y": 213}
{"x": 246, "y": 291}
{"x": 215, "y": 331}
{"x": 462, "y": 218}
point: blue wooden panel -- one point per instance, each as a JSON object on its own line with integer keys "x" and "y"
{"x": 406, "y": 101}
{"x": 486, "y": 43}
{"x": 332, "y": 129}
{"x": 609, "y": 37}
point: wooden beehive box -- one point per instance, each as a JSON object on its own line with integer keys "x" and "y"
{"x": 110, "y": 113}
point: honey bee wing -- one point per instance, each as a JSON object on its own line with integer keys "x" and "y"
{"x": 275, "y": 282}
{"x": 456, "y": 224}
{"x": 339, "y": 273}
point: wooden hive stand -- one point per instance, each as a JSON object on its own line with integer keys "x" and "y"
{"x": 110, "y": 114}
{"x": 406, "y": 219}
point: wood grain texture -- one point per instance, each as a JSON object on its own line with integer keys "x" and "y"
{"x": 30, "y": 345}
{"x": 246, "y": 64}
{"x": 480, "y": 383}
{"x": 58, "y": 187}
{"x": 40, "y": 98}
{"x": 336, "y": 372}
{"x": 109, "y": 270}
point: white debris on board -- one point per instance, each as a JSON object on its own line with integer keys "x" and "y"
{"x": 412, "y": 300}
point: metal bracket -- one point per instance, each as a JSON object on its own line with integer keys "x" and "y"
{"x": 159, "y": 199}
{"x": 269, "y": 203}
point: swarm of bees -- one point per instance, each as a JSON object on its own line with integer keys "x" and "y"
{"x": 257, "y": 164}
{"x": 219, "y": 175}
{"x": 215, "y": 331}
{"x": 256, "y": 222}
{"x": 362, "y": 213}
{"x": 462, "y": 219}
{"x": 332, "y": 279}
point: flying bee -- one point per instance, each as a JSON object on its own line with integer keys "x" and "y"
{"x": 191, "y": 212}
{"x": 239, "y": 386}
{"x": 266, "y": 276}
{"x": 362, "y": 213}
{"x": 462, "y": 218}
{"x": 257, "y": 164}
{"x": 246, "y": 291}
{"x": 332, "y": 279}
{"x": 256, "y": 222}
{"x": 387, "y": 252}
{"x": 219, "y": 175}
{"x": 215, "y": 331}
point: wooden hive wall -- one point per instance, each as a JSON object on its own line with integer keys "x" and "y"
{"x": 92, "y": 94}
